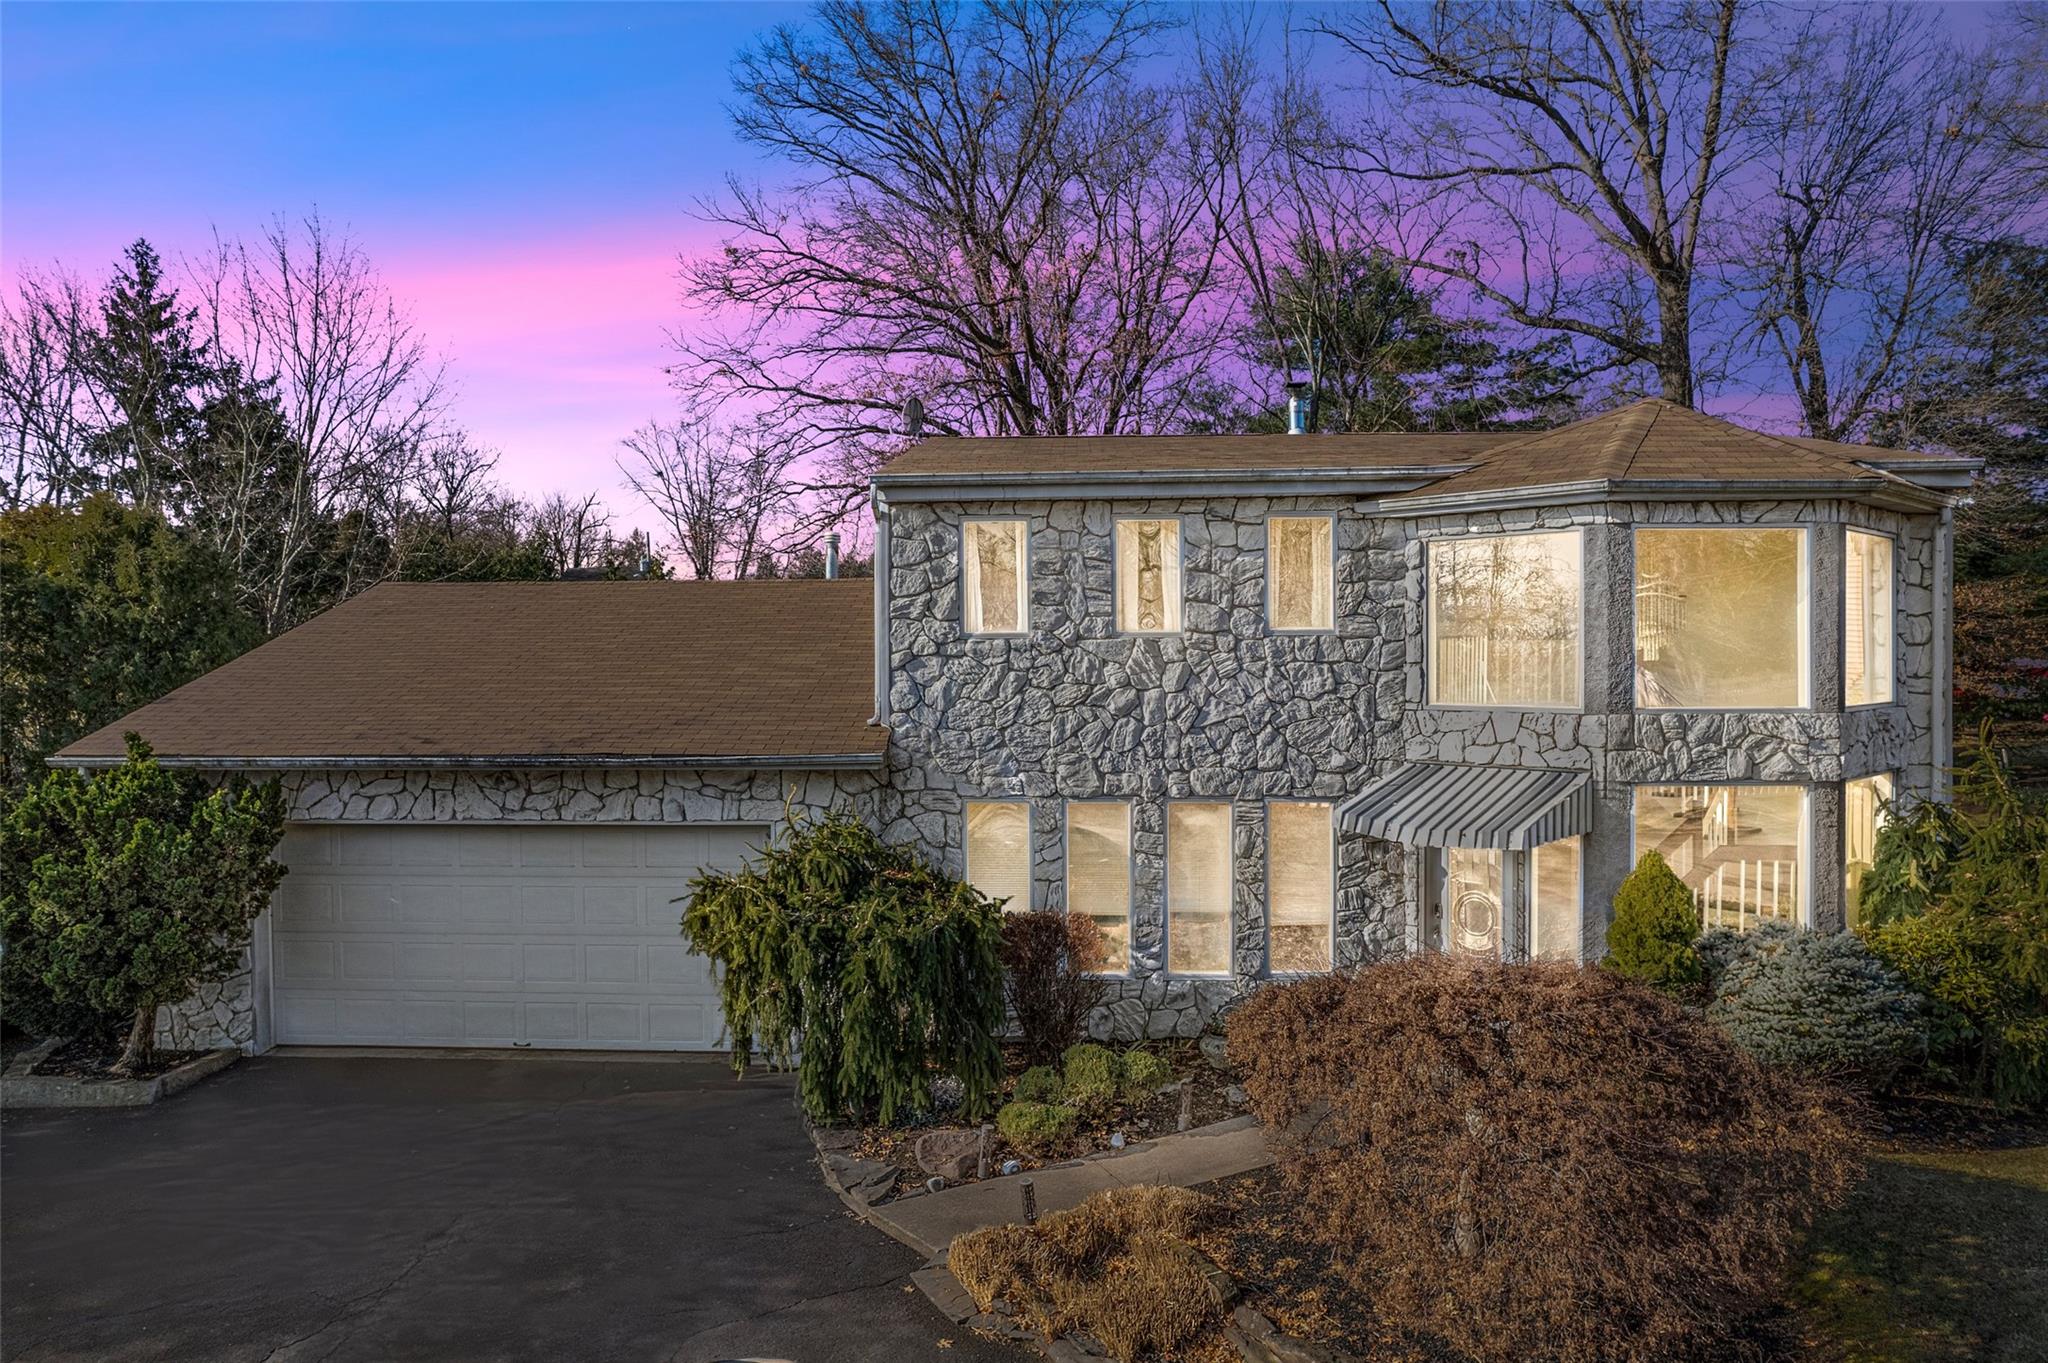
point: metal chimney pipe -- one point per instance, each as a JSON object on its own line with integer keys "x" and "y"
{"x": 1297, "y": 409}
{"x": 832, "y": 555}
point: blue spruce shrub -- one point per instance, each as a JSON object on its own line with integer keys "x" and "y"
{"x": 1819, "y": 1002}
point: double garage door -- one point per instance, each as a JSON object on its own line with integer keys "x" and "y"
{"x": 546, "y": 935}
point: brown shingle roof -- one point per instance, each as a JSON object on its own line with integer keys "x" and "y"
{"x": 1646, "y": 442}
{"x": 951, "y": 456}
{"x": 541, "y": 670}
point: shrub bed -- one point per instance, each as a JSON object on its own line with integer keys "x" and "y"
{"x": 1538, "y": 1160}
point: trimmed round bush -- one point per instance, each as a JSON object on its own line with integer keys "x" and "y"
{"x": 1039, "y": 1084}
{"x": 1036, "y": 1126}
{"x": 1820, "y": 1002}
{"x": 1538, "y": 1161}
{"x": 1655, "y": 925}
{"x": 1144, "y": 1074}
{"x": 1090, "y": 1076}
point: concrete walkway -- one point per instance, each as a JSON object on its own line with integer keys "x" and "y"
{"x": 929, "y": 1223}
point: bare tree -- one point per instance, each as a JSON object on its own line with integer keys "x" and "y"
{"x": 1886, "y": 164}
{"x": 44, "y": 329}
{"x": 1561, "y": 159}
{"x": 987, "y": 212}
{"x": 572, "y": 534}
{"x": 359, "y": 393}
{"x": 719, "y": 489}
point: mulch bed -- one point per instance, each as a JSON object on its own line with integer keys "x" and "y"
{"x": 91, "y": 1060}
{"x": 1156, "y": 1116}
{"x": 1933, "y": 1122}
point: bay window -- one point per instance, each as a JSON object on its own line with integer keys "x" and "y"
{"x": 999, "y": 851}
{"x": 1721, "y": 618}
{"x": 1504, "y": 620}
{"x": 993, "y": 574}
{"x": 1867, "y": 620}
{"x": 1148, "y": 576}
{"x": 1742, "y": 850}
{"x": 1299, "y": 571}
{"x": 1197, "y": 888}
{"x": 1099, "y": 875}
{"x": 1300, "y": 887}
{"x": 1863, "y": 814}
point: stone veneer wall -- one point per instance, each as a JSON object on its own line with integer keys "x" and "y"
{"x": 1224, "y": 710}
{"x": 226, "y": 1015}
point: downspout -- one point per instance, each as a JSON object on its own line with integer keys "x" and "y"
{"x": 880, "y": 506}
{"x": 1943, "y": 740}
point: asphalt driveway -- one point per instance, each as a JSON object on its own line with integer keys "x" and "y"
{"x": 460, "y": 1210}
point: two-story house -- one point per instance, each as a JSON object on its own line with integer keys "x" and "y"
{"x": 1257, "y": 705}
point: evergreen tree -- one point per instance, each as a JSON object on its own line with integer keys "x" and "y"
{"x": 145, "y": 363}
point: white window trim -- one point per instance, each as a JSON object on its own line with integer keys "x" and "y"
{"x": 1430, "y": 702}
{"x": 1230, "y": 886}
{"x": 1893, "y": 651}
{"x": 1116, "y": 583}
{"x": 1805, "y": 628}
{"x": 1267, "y": 839}
{"x": 1130, "y": 876}
{"x": 1030, "y": 847}
{"x": 1805, "y": 789}
{"x": 1272, "y": 578}
{"x": 1023, "y": 579}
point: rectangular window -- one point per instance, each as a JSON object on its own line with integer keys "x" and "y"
{"x": 992, "y": 556}
{"x": 1300, "y": 887}
{"x": 1867, "y": 620}
{"x": 1741, "y": 849}
{"x": 999, "y": 851}
{"x": 1555, "y": 890}
{"x": 1472, "y": 901}
{"x": 1504, "y": 620}
{"x": 1099, "y": 875}
{"x": 1148, "y": 577}
{"x": 1863, "y": 814}
{"x": 1721, "y": 619}
{"x": 1299, "y": 572}
{"x": 1197, "y": 889}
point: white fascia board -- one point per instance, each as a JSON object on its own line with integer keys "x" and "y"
{"x": 1035, "y": 487}
{"x": 555, "y": 761}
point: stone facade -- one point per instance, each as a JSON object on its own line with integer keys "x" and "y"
{"x": 1230, "y": 709}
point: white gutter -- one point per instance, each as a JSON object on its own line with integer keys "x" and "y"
{"x": 1884, "y": 491}
{"x": 1237, "y": 482}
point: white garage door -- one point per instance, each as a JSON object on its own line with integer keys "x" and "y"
{"x": 494, "y": 935}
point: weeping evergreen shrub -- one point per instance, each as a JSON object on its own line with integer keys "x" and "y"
{"x": 869, "y": 970}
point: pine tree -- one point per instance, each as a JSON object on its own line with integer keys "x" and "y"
{"x": 147, "y": 364}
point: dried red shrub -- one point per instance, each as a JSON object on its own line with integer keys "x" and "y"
{"x": 1537, "y": 1160}
{"x": 1046, "y": 958}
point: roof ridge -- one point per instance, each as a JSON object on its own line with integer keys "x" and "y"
{"x": 1632, "y": 418}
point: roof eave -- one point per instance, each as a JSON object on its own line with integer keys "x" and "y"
{"x": 1238, "y": 482}
{"x": 856, "y": 761}
{"x": 1889, "y": 492}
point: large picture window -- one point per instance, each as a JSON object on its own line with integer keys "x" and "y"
{"x": 1740, "y": 849}
{"x": 1197, "y": 889}
{"x": 1148, "y": 577}
{"x": 1504, "y": 620}
{"x": 999, "y": 851}
{"x": 993, "y": 555}
{"x": 1867, "y": 620}
{"x": 1556, "y": 882}
{"x": 1099, "y": 875}
{"x": 1721, "y": 619}
{"x": 1299, "y": 569}
{"x": 1863, "y": 814}
{"x": 1300, "y": 887}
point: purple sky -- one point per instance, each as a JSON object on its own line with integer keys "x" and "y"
{"x": 521, "y": 174}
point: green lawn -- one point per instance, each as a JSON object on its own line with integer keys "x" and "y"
{"x": 1938, "y": 1257}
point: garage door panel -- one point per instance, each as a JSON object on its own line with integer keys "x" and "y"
{"x": 493, "y": 936}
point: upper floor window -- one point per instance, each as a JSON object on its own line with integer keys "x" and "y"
{"x": 999, "y": 851}
{"x": 1721, "y": 618}
{"x": 1867, "y": 622}
{"x": 1299, "y": 570}
{"x": 1504, "y": 620}
{"x": 1148, "y": 576}
{"x": 992, "y": 557}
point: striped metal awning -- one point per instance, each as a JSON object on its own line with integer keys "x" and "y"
{"x": 1437, "y": 804}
